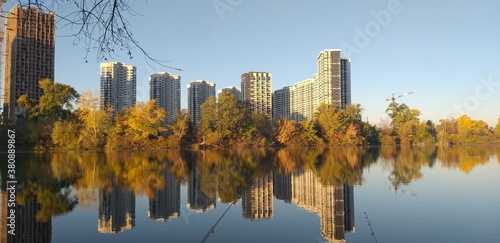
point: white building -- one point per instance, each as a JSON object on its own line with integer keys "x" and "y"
{"x": 118, "y": 85}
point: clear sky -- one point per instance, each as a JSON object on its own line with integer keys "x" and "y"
{"x": 447, "y": 52}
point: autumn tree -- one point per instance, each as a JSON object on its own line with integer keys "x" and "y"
{"x": 406, "y": 125}
{"x": 144, "y": 120}
{"x": 96, "y": 122}
{"x": 341, "y": 126}
{"x": 470, "y": 131}
{"x": 181, "y": 125}
{"x": 497, "y": 129}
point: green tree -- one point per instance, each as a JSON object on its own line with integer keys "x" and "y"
{"x": 407, "y": 127}
{"x": 57, "y": 99}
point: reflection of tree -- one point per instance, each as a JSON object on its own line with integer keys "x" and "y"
{"x": 289, "y": 159}
{"x": 49, "y": 190}
{"x": 406, "y": 163}
{"x": 465, "y": 158}
{"x": 339, "y": 165}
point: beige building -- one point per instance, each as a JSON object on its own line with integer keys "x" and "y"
{"x": 303, "y": 100}
{"x": 257, "y": 92}
{"x": 29, "y": 55}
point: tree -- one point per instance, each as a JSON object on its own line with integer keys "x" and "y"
{"x": 56, "y": 101}
{"x": 102, "y": 25}
{"x": 406, "y": 125}
{"x": 208, "y": 114}
{"x": 144, "y": 120}
{"x": 96, "y": 122}
{"x": 497, "y": 129}
{"x": 65, "y": 134}
{"x": 181, "y": 125}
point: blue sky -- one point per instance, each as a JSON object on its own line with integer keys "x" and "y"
{"x": 447, "y": 52}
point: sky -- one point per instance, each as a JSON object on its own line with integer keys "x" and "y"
{"x": 447, "y": 52}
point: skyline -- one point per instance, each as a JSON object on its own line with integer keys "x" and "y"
{"x": 443, "y": 54}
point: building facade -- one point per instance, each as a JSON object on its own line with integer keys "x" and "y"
{"x": 257, "y": 92}
{"x": 233, "y": 90}
{"x": 283, "y": 103}
{"x": 166, "y": 89}
{"x": 118, "y": 86}
{"x": 333, "y": 79}
{"x": 303, "y": 101}
{"x": 29, "y": 55}
{"x": 198, "y": 92}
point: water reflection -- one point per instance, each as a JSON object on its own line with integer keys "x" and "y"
{"x": 166, "y": 204}
{"x": 319, "y": 181}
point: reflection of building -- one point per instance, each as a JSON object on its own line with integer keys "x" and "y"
{"x": 198, "y": 200}
{"x": 334, "y": 204}
{"x": 198, "y": 92}
{"x": 116, "y": 209}
{"x": 258, "y": 199}
{"x": 166, "y": 203}
{"x": 28, "y": 228}
{"x": 283, "y": 187}
{"x": 29, "y": 55}
{"x": 166, "y": 89}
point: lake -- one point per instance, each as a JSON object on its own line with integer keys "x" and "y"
{"x": 291, "y": 195}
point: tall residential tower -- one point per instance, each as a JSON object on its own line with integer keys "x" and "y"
{"x": 166, "y": 89}
{"x": 118, "y": 85}
{"x": 257, "y": 92}
{"x": 333, "y": 79}
{"x": 198, "y": 93}
{"x": 29, "y": 55}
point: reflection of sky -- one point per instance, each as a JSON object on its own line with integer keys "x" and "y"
{"x": 449, "y": 206}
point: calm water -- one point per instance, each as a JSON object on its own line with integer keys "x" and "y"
{"x": 408, "y": 194}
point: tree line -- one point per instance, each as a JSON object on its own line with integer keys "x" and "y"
{"x": 64, "y": 119}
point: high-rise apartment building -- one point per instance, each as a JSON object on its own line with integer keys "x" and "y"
{"x": 303, "y": 100}
{"x": 257, "y": 92}
{"x": 233, "y": 90}
{"x": 333, "y": 79}
{"x": 116, "y": 209}
{"x": 283, "y": 103}
{"x": 29, "y": 55}
{"x": 165, "y": 205}
{"x": 258, "y": 199}
{"x": 118, "y": 85}
{"x": 166, "y": 89}
{"x": 198, "y": 93}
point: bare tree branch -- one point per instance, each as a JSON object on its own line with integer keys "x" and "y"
{"x": 101, "y": 25}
